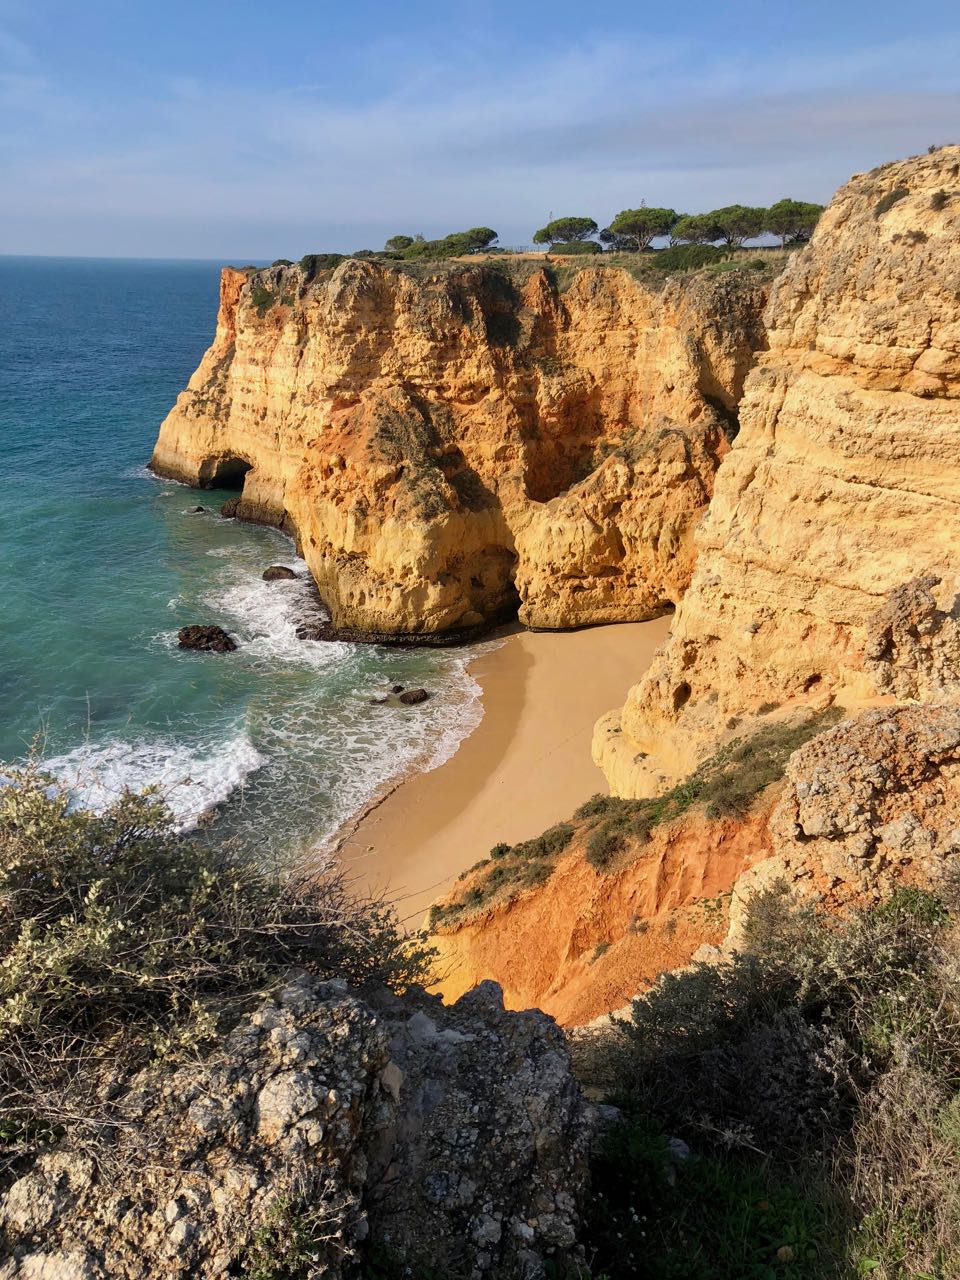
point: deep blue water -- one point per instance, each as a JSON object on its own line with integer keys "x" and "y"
{"x": 100, "y": 563}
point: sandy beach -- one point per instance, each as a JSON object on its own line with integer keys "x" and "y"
{"x": 524, "y": 768}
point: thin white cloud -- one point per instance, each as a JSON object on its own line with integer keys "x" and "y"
{"x": 196, "y": 167}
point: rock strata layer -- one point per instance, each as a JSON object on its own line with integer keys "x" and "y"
{"x": 842, "y": 487}
{"x": 449, "y": 444}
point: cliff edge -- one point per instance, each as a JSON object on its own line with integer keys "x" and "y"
{"x": 842, "y": 487}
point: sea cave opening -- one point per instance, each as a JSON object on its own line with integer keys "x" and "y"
{"x": 228, "y": 472}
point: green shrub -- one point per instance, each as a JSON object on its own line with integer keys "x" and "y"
{"x": 574, "y": 248}
{"x": 123, "y": 943}
{"x": 847, "y": 1033}
{"x": 687, "y": 257}
{"x": 552, "y": 842}
{"x": 889, "y": 200}
{"x": 312, "y": 264}
{"x": 726, "y": 785}
{"x": 722, "y": 1217}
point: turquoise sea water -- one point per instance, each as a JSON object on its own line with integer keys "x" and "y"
{"x": 100, "y": 563}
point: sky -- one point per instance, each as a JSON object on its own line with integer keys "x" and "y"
{"x": 254, "y": 129}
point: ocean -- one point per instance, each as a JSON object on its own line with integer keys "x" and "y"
{"x": 101, "y": 563}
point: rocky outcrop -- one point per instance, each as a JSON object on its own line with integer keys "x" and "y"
{"x": 449, "y": 443}
{"x": 208, "y": 639}
{"x": 843, "y": 485}
{"x": 326, "y": 1124}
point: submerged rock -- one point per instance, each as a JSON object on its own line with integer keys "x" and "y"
{"x": 210, "y": 639}
{"x": 278, "y": 573}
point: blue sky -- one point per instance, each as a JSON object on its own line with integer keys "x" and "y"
{"x": 254, "y": 130}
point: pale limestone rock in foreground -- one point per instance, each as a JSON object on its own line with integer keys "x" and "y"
{"x": 454, "y": 1137}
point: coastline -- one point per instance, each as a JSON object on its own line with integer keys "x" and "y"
{"x": 526, "y": 766}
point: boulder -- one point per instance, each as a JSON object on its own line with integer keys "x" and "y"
{"x": 278, "y": 573}
{"x": 210, "y": 639}
{"x": 410, "y": 697}
{"x": 449, "y": 1137}
{"x": 230, "y": 509}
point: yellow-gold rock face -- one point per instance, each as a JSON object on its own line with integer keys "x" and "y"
{"x": 843, "y": 485}
{"x": 449, "y": 441}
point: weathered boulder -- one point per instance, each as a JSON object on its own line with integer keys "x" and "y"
{"x": 412, "y": 697}
{"x": 278, "y": 573}
{"x": 453, "y": 1137}
{"x": 210, "y": 639}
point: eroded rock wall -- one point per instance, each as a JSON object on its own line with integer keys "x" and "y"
{"x": 843, "y": 484}
{"x": 450, "y": 442}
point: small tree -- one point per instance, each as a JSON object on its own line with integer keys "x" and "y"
{"x": 397, "y": 244}
{"x": 640, "y": 226}
{"x": 480, "y": 238}
{"x": 792, "y": 219}
{"x": 696, "y": 228}
{"x": 614, "y": 242}
{"x": 738, "y": 222}
{"x": 564, "y": 230}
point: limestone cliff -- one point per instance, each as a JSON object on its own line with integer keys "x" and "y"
{"x": 842, "y": 486}
{"x": 450, "y": 441}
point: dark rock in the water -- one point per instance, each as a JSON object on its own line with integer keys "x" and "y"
{"x": 396, "y": 688}
{"x": 196, "y": 510}
{"x": 209, "y": 639}
{"x": 315, "y": 631}
{"x": 278, "y": 573}
{"x": 379, "y": 702}
{"x": 230, "y": 509}
{"x": 413, "y": 696}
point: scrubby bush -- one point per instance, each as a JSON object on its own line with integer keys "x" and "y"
{"x": 312, "y": 264}
{"x": 574, "y": 248}
{"x": 687, "y": 257}
{"x": 124, "y": 943}
{"x": 821, "y": 1065}
{"x": 726, "y": 785}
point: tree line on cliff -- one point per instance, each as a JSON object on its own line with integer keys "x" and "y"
{"x": 631, "y": 231}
